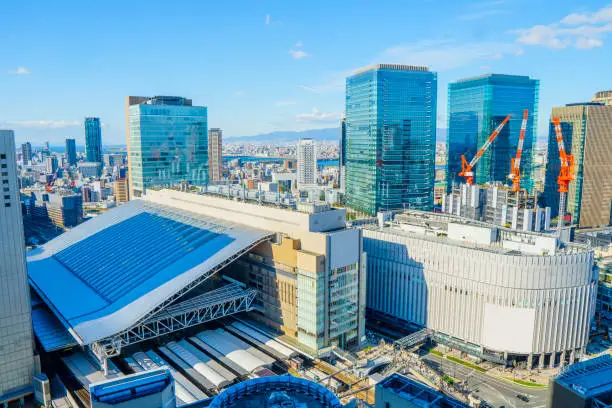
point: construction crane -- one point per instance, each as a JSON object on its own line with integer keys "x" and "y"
{"x": 467, "y": 168}
{"x": 515, "y": 166}
{"x": 566, "y": 173}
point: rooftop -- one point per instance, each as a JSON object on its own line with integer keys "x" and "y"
{"x": 110, "y": 272}
{"x": 418, "y": 394}
{"x": 395, "y": 67}
{"x": 589, "y": 378}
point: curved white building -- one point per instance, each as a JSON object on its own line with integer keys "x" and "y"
{"x": 489, "y": 291}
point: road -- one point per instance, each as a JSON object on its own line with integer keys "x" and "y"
{"x": 495, "y": 391}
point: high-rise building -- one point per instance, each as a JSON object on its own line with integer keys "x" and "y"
{"x": 306, "y": 163}
{"x": 215, "y": 153}
{"x": 51, "y": 164}
{"x": 16, "y": 342}
{"x": 604, "y": 97}
{"x": 121, "y": 190}
{"x": 586, "y": 133}
{"x": 93, "y": 140}
{"x": 167, "y": 142}
{"x": 390, "y": 137}
{"x": 342, "y": 155}
{"x": 71, "y": 156}
{"x": 26, "y": 152}
{"x": 475, "y": 107}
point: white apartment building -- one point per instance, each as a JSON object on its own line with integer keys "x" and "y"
{"x": 306, "y": 163}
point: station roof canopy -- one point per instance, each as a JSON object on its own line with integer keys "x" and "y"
{"x": 115, "y": 270}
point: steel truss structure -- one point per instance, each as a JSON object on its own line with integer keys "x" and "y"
{"x": 203, "y": 308}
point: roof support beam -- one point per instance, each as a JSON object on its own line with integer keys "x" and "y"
{"x": 226, "y": 301}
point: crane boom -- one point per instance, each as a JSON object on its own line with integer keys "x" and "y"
{"x": 566, "y": 173}
{"x": 515, "y": 171}
{"x": 466, "y": 168}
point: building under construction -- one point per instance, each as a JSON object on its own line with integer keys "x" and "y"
{"x": 498, "y": 204}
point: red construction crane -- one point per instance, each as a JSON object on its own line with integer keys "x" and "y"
{"x": 566, "y": 173}
{"x": 466, "y": 168}
{"x": 515, "y": 166}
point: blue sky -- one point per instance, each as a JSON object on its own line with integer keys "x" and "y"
{"x": 265, "y": 66}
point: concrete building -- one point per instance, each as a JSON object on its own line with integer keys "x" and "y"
{"x": 390, "y": 138}
{"x": 584, "y": 385}
{"x": 215, "y": 154}
{"x": 306, "y": 163}
{"x": 167, "y": 142}
{"x": 17, "y": 364}
{"x": 586, "y": 133}
{"x": 89, "y": 169}
{"x": 498, "y": 205}
{"x": 121, "y": 190}
{"x": 71, "y": 156}
{"x": 26, "y": 152}
{"x": 50, "y": 164}
{"x": 604, "y": 97}
{"x": 286, "y": 180}
{"x": 65, "y": 210}
{"x": 113, "y": 159}
{"x": 398, "y": 391}
{"x": 492, "y": 292}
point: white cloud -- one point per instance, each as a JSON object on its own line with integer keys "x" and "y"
{"x": 298, "y": 54}
{"x": 578, "y": 30}
{"x": 299, "y": 44}
{"x": 268, "y": 21}
{"x": 285, "y": 103}
{"x": 20, "y": 71}
{"x": 54, "y": 124}
{"x": 446, "y": 55}
{"x": 316, "y": 116}
{"x": 239, "y": 93}
{"x": 519, "y": 52}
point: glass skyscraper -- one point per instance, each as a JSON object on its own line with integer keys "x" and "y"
{"x": 93, "y": 140}
{"x": 475, "y": 107}
{"x": 71, "y": 156}
{"x": 167, "y": 142}
{"x": 390, "y": 138}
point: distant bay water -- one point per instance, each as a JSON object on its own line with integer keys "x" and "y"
{"x": 321, "y": 163}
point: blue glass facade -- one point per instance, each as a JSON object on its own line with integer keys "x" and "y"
{"x": 390, "y": 138}
{"x": 93, "y": 140}
{"x": 475, "y": 107}
{"x": 167, "y": 143}
{"x": 71, "y": 156}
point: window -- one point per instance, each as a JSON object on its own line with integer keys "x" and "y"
{"x": 7, "y": 204}
{"x": 3, "y": 166}
{"x": 2, "y": 156}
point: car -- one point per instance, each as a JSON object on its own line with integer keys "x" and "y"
{"x": 522, "y": 397}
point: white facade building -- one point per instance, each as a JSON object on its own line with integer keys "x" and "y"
{"x": 306, "y": 163}
{"x": 489, "y": 291}
{"x": 16, "y": 343}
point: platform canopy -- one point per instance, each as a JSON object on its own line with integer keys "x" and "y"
{"x": 118, "y": 269}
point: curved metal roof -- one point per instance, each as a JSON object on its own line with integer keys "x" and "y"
{"x": 108, "y": 273}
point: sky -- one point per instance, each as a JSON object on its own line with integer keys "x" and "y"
{"x": 263, "y": 66}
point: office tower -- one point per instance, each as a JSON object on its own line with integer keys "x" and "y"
{"x": 26, "y": 152}
{"x": 215, "y": 153}
{"x": 475, "y": 107}
{"x": 16, "y": 343}
{"x": 342, "y": 155}
{"x": 306, "y": 163}
{"x": 71, "y": 156}
{"x": 167, "y": 142}
{"x": 586, "y": 131}
{"x": 390, "y": 138}
{"x": 65, "y": 210}
{"x": 93, "y": 140}
{"x": 604, "y": 97}
{"x": 51, "y": 164}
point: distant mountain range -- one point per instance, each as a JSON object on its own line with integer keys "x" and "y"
{"x": 329, "y": 134}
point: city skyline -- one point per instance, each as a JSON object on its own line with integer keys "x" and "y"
{"x": 304, "y": 69}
